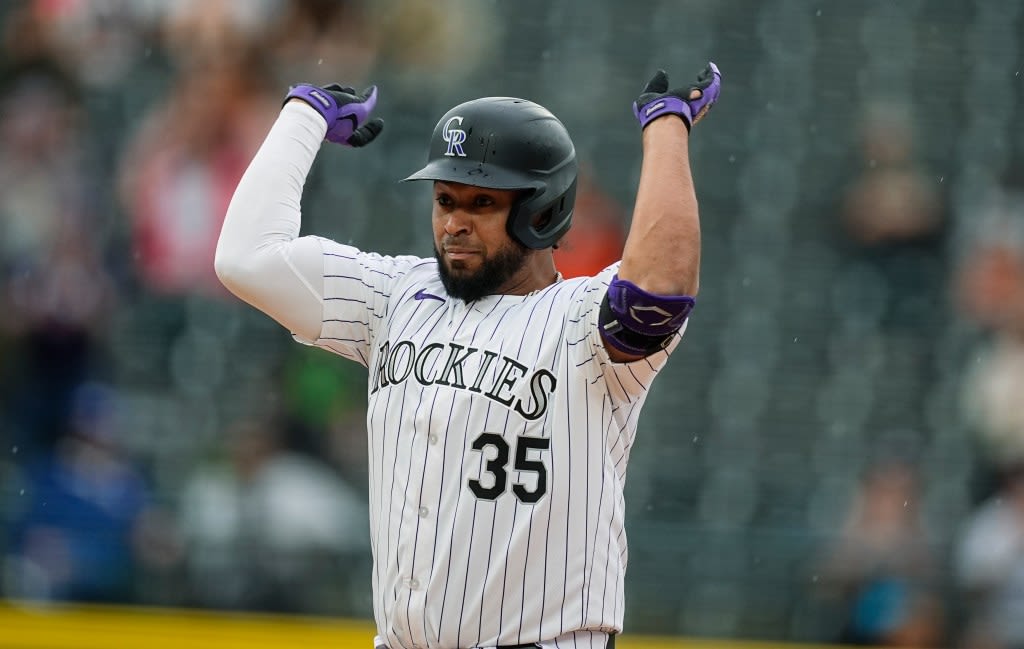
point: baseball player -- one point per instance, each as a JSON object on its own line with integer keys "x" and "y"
{"x": 502, "y": 398}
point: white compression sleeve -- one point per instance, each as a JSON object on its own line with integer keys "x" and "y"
{"x": 259, "y": 257}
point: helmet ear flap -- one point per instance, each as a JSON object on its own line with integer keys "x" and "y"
{"x": 537, "y": 221}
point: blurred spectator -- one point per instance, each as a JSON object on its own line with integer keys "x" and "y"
{"x": 270, "y": 529}
{"x": 433, "y": 45}
{"x": 322, "y": 41}
{"x": 182, "y": 164}
{"x": 25, "y": 35}
{"x": 78, "y": 512}
{"x": 197, "y": 32}
{"x": 323, "y": 406}
{"x": 880, "y": 573}
{"x": 598, "y": 231}
{"x": 44, "y": 186}
{"x": 990, "y": 567}
{"x": 347, "y": 444}
{"x": 56, "y": 312}
{"x": 100, "y": 41}
{"x": 55, "y": 293}
{"x": 989, "y": 286}
{"x": 989, "y": 291}
{"x": 891, "y": 200}
{"x": 893, "y": 223}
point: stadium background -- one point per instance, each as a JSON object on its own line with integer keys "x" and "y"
{"x": 808, "y": 463}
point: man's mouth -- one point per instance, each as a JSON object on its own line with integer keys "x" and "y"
{"x": 459, "y": 254}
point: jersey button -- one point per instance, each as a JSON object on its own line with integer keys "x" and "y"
{"x": 432, "y": 439}
{"x": 413, "y": 584}
{"x": 423, "y": 512}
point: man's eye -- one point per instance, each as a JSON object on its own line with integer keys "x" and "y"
{"x": 444, "y": 200}
{"x": 484, "y": 201}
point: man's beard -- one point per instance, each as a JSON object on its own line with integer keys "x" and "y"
{"x": 486, "y": 280}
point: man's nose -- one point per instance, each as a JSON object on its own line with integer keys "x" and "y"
{"x": 458, "y": 222}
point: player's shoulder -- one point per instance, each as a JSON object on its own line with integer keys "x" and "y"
{"x": 580, "y": 293}
{"x": 421, "y": 270}
{"x": 598, "y": 281}
{"x": 372, "y": 259}
{"x": 420, "y": 277}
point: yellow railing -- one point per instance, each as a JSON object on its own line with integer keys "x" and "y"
{"x": 31, "y": 626}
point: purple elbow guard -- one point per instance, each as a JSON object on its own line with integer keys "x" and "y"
{"x": 637, "y": 322}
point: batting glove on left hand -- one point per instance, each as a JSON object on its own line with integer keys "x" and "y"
{"x": 346, "y": 112}
{"x": 690, "y": 103}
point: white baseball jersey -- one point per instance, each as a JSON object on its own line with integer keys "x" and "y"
{"x": 499, "y": 433}
{"x": 499, "y": 430}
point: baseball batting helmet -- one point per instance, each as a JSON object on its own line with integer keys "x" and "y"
{"x": 509, "y": 143}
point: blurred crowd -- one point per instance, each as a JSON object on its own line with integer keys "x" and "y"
{"x": 884, "y": 578}
{"x": 160, "y": 445}
{"x": 124, "y": 128}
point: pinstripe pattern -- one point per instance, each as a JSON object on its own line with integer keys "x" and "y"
{"x": 499, "y": 434}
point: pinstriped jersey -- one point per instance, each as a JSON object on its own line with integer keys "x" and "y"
{"x": 499, "y": 433}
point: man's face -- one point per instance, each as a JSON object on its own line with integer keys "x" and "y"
{"x": 475, "y": 255}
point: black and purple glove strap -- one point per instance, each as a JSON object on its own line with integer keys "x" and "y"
{"x": 657, "y": 100}
{"x": 346, "y": 112}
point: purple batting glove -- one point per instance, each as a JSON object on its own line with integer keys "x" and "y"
{"x": 657, "y": 100}
{"x": 346, "y": 112}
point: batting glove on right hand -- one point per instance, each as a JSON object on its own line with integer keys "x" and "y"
{"x": 346, "y": 112}
{"x": 690, "y": 103}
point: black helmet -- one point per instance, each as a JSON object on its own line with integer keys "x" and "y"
{"x": 509, "y": 143}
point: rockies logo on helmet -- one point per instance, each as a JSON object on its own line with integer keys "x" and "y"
{"x": 454, "y": 137}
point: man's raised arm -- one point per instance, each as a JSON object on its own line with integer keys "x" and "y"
{"x": 259, "y": 257}
{"x": 658, "y": 279}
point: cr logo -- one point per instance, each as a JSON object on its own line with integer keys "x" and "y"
{"x": 454, "y": 137}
